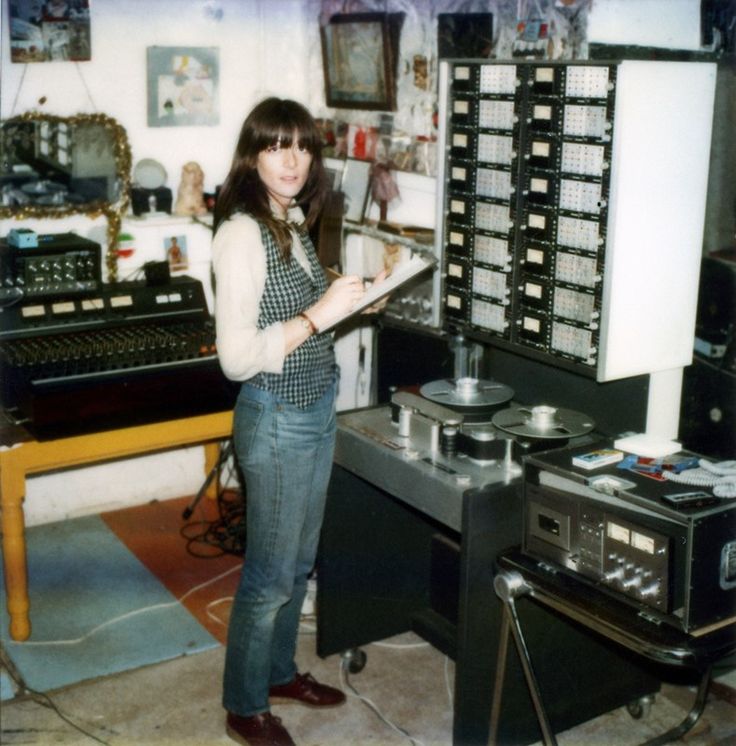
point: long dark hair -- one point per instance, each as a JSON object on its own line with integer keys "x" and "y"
{"x": 273, "y": 122}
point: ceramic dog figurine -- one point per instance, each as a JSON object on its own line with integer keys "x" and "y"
{"x": 190, "y": 199}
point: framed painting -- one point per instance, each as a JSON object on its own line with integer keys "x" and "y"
{"x": 49, "y": 31}
{"x": 359, "y": 59}
{"x": 464, "y": 35}
{"x": 183, "y": 86}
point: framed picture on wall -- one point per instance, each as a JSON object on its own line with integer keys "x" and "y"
{"x": 464, "y": 35}
{"x": 359, "y": 52}
{"x": 183, "y": 86}
{"x": 50, "y": 31}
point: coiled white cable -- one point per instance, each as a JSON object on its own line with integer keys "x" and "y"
{"x": 720, "y": 476}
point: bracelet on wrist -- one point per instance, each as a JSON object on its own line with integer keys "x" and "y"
{"x": 307, "y": 323}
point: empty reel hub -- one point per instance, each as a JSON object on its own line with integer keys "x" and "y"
{"x": 543, "y": 422}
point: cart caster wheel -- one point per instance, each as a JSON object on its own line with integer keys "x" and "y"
{"x": 640, "y": 708}
{"x": 354, "y": 660}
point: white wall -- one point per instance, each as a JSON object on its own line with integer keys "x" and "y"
{"x": 262, "y": 47}
{"x": 671, "y": 24}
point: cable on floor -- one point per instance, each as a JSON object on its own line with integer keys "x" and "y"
{"x": 448, "y": 683}
{"x": 130, "y": 614}
{"x": 225, "y": 534}
{"x": 410, "y": 645}
{"x": 40, "y": 698}
{"x": 222, "y": 535}
{"x": 307, "y": 620}
{"x": 352, "y": 691}
{"x": 400, "y": 645}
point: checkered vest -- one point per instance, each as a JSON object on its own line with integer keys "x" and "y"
{"x": 311, "y": 367}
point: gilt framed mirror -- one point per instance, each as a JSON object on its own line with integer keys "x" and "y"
{"x": 53, "y": 167}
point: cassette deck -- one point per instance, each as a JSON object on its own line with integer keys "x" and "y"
{"x": 617, "y": 530}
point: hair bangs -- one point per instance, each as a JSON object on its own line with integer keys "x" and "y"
{"x": 281, "y": 122}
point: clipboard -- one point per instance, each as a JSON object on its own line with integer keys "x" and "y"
{"x": 400, "y": 275}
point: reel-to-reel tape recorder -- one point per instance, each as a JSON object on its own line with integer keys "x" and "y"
{"x": 475, "y": 418}
{"x": 451, "y": 435}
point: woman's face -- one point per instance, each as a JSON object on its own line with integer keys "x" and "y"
{"x": 284, "y": 170}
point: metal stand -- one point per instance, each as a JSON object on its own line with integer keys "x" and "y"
{"x": 226, "y": 449}
{"x": 510, "y": 585}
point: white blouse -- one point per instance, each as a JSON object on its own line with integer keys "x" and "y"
{"x": 239, "y": 264}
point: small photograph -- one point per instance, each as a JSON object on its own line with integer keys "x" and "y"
{"x": 176, "y": 252}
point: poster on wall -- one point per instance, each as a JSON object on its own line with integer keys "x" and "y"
{"x": 49, "y": 31}
{"x": 183, "y": 86}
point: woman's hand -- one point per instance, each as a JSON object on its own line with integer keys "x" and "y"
{"x": 381, "y": 304}
{"x": 340, "y": 298}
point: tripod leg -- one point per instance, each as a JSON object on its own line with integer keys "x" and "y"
{"x": 225, "y": 451}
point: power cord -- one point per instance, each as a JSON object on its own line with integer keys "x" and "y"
{"x": 352, "y": 691}
{"x": 130, "y": 614}
{"x": 225, "y": 534}
{"x": 409, "y": 645}
{"x": 40, "y": 698}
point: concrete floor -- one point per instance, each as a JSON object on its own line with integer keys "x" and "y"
{"x": 405, "y": 688}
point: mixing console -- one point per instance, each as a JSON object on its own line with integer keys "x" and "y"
{"x": 129, "y": 353}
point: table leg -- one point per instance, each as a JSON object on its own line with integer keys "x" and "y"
{"x": 12, "y": 489}
{"x": 211, "y": 456}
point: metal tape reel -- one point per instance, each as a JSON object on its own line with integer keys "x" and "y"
{"x": 543, "y": 422}
{"x": 473, "y": 397}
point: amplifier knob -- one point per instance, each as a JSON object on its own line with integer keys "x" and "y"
{"x": 616, "y": 574}
{"x": 649, "y": 590}
{"x": 633, "y": 582}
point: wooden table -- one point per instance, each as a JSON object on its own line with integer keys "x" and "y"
{"x": 21, "y": 455}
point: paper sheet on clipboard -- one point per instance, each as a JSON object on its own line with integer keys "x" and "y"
{"x": 401, "y": 274}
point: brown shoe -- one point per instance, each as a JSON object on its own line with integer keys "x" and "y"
{"x": 305, "y": 690}
{"x": 263, "y": 729}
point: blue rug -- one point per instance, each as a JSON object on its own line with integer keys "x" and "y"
{"x": 95, "y": 610}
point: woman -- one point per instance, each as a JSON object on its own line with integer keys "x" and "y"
{"x": 271, "y": 300}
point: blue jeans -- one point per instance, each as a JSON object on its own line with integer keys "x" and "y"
{"x": 285, "y": 454}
